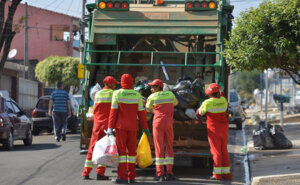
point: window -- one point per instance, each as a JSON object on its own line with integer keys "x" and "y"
{"x": 16, "y": 107}
{"x": 43, "y": 104}
{"x": 234, "y": 97}
{"x": 8, "y": 107}
{"x": 57, "y": 32}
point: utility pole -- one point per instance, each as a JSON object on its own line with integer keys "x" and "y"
{"x": 26, "y": 40}
{"x": 266, "y": 102}
{"x": 82, "y": 31}
{"x": 68, "y": 46}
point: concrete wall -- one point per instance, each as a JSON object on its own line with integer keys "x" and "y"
{"x": 28, "y": 94}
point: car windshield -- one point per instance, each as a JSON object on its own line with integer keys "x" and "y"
{"x": 43, "y": 104}
{"x": 234, "y": 97}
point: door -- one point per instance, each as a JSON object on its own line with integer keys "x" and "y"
{"x": 16, "y": 122}
{"x": 23, "y": 119}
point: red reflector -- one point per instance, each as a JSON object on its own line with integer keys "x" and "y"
{"x": 189, "y": 5}
{"x": 117, "y": 4}
{"x": 204, "y": 5}
{"x": 109, "y": 5}
{"x": 124, "y": 5}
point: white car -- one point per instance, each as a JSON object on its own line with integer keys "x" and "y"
{"x": 297, "y": 98}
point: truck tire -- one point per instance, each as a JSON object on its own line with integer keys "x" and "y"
{"x": 8, "y": 143}
{"x": 28, "y": 140}
{"x": 35, "y": 131}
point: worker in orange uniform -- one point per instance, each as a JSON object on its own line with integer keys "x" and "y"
{"x": 101, "y": 113}
{"x": 125, "y": 108}
{"x": 162, "y": 103}
{"x": 217, "y": 129}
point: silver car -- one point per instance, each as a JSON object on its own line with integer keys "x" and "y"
{"x": 235, "y": 110}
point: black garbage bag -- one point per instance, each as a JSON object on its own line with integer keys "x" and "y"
{"x": 198, "y": 88}
{"x": 262, "y": 139}
{"x": 184, "y": 78}
{"x": 185, "y": 102}
{"x": 189, "y": 96}
{"x": 144, "y": 88}
{"x": 186, "y": 84}
{"x": 280, "y": 140}
{"x": 179, "y": 115}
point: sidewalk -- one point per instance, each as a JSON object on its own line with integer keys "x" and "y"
{"x": 275, "y": 166}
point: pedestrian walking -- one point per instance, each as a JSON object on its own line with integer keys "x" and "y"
{"x": 59, "y": 109}
{"x": 101, "y": 112}
{"x": 217, "y": 130}
{"x": 162, "y": 104}
{"x": 125, "y": 108}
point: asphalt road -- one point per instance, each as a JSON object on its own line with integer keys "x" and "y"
{"x": 47, "y": 162}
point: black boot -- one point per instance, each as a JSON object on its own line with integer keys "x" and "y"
{"x": 86, "y": 177}
{"x": 119, "y": 181}
{"x": 63, "y": 137}
{"x": 100, "y": 177}
{"x": 170, "y": 177}
{"x": 159, "y": 178}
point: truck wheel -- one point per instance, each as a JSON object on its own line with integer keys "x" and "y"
{"x": 8, "y": 143}
{"x": 28, "y": 140}
{"x": 35, "y": 131}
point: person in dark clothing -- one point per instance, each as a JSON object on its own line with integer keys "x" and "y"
{"x": 60, "y": 109}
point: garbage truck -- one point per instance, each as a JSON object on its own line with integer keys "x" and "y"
{"x": 166, "y": 39}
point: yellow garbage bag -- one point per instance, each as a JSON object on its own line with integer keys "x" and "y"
{"x": 144, "y": 157}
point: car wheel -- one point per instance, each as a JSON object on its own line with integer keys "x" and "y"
{"x": 9, "y": 142}
{"x": 36, "y": 131}
{"x": 28, "y": 140}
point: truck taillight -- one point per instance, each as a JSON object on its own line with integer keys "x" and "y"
{"x": 199, "y": 5}
{"x": 34, "y": 114}
{"x": 113, "y": 5}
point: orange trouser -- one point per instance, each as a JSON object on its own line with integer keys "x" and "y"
{"x": 163, "y": 136}
{"x": 218, "y": 149}
{"x": 97, "y": 134}
{"x": 126, "y": 143}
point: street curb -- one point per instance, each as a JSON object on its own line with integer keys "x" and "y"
{"x": 277, "y": 179}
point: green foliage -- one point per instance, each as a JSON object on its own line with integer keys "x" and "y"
{"x": 245, "y": 82}
{"x": 54, "y": 69}
{"x": 266, "y": 37}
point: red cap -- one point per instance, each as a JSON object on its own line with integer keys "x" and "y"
{"x": 157, "y": 82}
{"x": 110, "y": 80}
{"x": 213, "y": 88}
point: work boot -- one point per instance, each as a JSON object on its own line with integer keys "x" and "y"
{"x": 85, "y": 177}
{"x": 214, "y": 178}
{"x": 170, "y": 177}
{"x": 63, "y": 137}
{"x": 119, "y": 181}
{"x": 103, "y": 178}
{"x": 131, "y": 181}
{"x": 159, "y": 178}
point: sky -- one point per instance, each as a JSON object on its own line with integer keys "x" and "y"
{"x": 73, "y": 7}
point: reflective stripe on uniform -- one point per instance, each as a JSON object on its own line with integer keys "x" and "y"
{"x": 131, "y": 159}
{"x": 122, "y": 159}
{"x": 141, "y": 108}
{"x": 102, "y": 100}
{"x": 88, "y": 163}
{"x": 217, "y": 110}
{"x": 162, "y": 101}
{"x": 169, "y": 160}
{"x": 99, "y": 165}
{"x": 114, "y": 106}
{"x": 159, "y": 161}
{"x": 225, "y": 170}
{"x": 217, "y": 170}
{"x": 125, "y": 100}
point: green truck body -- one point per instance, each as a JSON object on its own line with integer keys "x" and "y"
{"x": 148, "y": 38}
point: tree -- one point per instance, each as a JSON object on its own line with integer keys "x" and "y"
{"x": 54, "y": 69}
{"x": 267, "y": 37}
{"x": 7, "y": 32}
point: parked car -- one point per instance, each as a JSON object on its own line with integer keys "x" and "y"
{"x": 297, "y": 98}
{"x": 42, "y": 121}
{"x": 14, "y": 124}
{"x": 235, "y": 110}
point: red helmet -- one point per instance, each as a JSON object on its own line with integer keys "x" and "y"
{"x": 157, "y": 82}
{"x": 110, "y": 80}
{"x": 213, "y": 88}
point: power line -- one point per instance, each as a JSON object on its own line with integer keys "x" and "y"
{"x": 69, "y": 6}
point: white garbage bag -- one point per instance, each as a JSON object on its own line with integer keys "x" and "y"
{"x": 94, "y": 90}
{"x": 106, "y": 152}
{"x": 191, "y": 113}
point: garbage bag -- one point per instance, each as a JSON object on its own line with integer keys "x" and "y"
{"x": 144, "y": 157}
{"x": 180, "y": 115}
{"x": 189, "y": 96}
{"x": 143, "y": 88}
{"x": 280, "y": 140}
{"x": 106, "y": 152}
{"x": 94, "y": 90}
{"x": 184, "y": 78}
{"x": 262, "y": 140}
{"x": 198, "y": 88}
{"x": 191, "y": 113}
{"x": 186, "y": 84}
{"x": 185, "y": 102}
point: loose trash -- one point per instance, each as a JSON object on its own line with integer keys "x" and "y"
{"x": 94, "y": 90}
